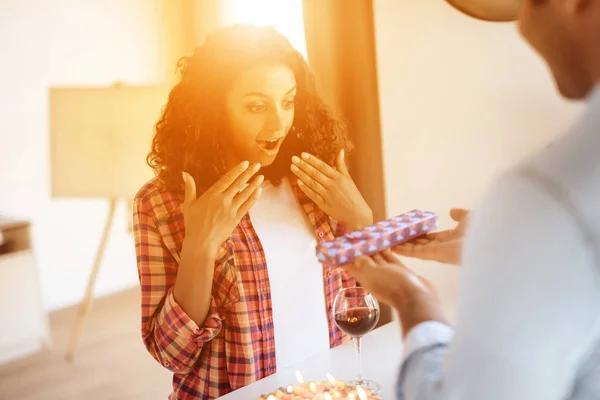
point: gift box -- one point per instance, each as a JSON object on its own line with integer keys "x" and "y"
{"x": 376, "y": 238}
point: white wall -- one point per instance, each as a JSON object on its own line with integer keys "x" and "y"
{"x": 67, "y": 42}
{"x": 460, "y": 101}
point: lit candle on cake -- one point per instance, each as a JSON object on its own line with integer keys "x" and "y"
{"x": 299, "y": 377}
{"x": 331, "y": 379}
{"x": 362, "y": 395}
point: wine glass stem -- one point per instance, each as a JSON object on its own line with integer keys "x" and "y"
{"x": 357, "y": 343}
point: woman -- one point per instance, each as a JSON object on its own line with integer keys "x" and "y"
{"x": 231, "y": 287}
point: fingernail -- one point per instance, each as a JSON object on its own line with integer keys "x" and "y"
{"x": 256, "y": 167}
{"x": 300, "y": 183}
{"x": 342, "y": 153}
{"x": 305, "y": 156}
{"x": 183, "y": 176}
{"x": 260, "y": 179}
{"x": 294, "y": 168}
{"x": 295, "y": 160}
{"x": 245, "y": 164}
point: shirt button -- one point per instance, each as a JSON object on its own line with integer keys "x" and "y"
{"x": 166, "y": 364}
{"x": 321, "y": 234}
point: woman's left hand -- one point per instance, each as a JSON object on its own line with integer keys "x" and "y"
{"x": 333, "y": 190}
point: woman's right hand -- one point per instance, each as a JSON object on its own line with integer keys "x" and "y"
{"x": 210, "y": 218}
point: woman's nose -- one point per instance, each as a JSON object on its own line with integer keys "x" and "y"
{"x": 277, "y": 120}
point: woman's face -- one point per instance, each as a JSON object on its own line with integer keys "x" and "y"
{"x": 260, "y": 111}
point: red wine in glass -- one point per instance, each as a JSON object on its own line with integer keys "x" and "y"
{"x": 356, "y": 312}
{"x": 357, "y": 321}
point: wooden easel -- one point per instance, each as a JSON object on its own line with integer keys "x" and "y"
{"x": 84, "y": 306}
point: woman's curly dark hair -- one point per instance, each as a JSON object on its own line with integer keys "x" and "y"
{"x": 189, "y": 132}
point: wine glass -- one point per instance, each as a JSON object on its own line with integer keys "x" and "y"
{"x": 356, "y": 312}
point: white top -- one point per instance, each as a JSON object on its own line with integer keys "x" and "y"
{"x": 296, "y": 276}
{"x": 528, "y": 324}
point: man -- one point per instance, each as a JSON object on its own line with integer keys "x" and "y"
{"x": 528, "y": 325}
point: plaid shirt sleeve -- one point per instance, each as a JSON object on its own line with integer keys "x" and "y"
{"x": 169, "y": 334}
{"x": 339, "y": 228}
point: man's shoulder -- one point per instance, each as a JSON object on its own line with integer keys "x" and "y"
{"x": 568, "y": 170}
{"x": 556, "y": 190}
{"x": 571, "y": 160}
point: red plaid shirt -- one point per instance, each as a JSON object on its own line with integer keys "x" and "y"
{"x": 236, "y": 344}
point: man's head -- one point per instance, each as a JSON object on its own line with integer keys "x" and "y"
{"x": 566, "y": 33}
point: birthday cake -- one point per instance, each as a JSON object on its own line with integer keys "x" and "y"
{"x": 321, "y": 391}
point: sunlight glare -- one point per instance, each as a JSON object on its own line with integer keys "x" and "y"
{"x": 283, "y": 15}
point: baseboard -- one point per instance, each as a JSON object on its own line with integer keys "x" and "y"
{"x": 20, "y": 350}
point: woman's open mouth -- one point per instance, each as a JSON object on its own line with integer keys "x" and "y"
{"x": 270, "y": 146}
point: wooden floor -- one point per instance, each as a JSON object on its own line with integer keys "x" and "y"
{"x": 111, "y": 362}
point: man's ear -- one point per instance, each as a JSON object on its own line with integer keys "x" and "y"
{"x": 489, "y": 10}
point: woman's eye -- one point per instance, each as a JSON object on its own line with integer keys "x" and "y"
{"x": 257, "y": 108}
{"x": 288, "y": 104}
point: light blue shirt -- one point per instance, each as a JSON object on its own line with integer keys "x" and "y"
{"x": 528, "y": 320}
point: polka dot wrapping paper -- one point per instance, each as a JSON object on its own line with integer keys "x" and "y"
{"x": 377, "y": 237}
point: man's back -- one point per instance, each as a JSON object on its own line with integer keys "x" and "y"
{"x": 569, "y": 171}
{"x": 528, "y": 324}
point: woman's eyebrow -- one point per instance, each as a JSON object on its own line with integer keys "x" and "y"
{"x": 260, "y": 94}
